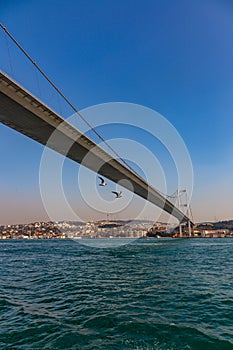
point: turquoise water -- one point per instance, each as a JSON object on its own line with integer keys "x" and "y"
{"x": 152, "y": 294}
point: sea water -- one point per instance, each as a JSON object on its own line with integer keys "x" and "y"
{"x": 151, "y": 294}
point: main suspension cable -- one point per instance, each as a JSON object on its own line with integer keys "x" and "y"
{"x": 65, "y": 98}
{"x": 9, "y": 54}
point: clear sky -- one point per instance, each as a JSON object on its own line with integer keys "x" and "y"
{"x": 173, "y": 56}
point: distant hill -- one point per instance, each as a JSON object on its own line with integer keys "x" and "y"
{"x": 226, "y": 224}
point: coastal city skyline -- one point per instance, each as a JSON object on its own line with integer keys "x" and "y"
{"x": 193, "y": 101}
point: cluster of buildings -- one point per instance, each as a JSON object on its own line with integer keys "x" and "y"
{"x": 214, "y": 230}
{"x": 202, "y": 233}
{"x": 105, "y": 229}
{"x": 69, "y": 229}
{"x": 36, "y": 230}
{"x": 110, "y": 229}
{"x": 208, "y": 230}
{"x": 160, "y": 229}
{"x": 220, "y": 233}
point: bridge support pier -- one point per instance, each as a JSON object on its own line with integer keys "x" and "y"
{"x": 180, "y": 230}
{"x": 189, "y": 229}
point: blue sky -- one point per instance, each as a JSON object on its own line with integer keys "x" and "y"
{"x": 174, "y": 56}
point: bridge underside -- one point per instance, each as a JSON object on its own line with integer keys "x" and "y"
{"x": 23, "y": 112}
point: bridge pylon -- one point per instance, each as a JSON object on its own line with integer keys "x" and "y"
{"x": 187, "y": 205}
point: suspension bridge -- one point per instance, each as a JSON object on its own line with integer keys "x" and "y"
{"x": 24, "y": 112}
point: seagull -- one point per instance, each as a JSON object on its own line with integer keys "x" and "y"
{"x": 103, "y": 183}
{"x": 118, "y": 194}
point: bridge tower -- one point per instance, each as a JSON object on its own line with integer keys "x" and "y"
{"x": 187, "y": 205}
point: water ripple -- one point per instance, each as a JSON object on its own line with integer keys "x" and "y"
{"x": 170, "y": 294}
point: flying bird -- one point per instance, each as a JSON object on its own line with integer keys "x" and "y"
{"x": 118, "y": 194}
{"x": 103, "y": 183}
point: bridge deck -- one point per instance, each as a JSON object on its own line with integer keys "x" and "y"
{"x": 23, "y": 112}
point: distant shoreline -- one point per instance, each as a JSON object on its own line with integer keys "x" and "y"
{"x": 113, "y": 229}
